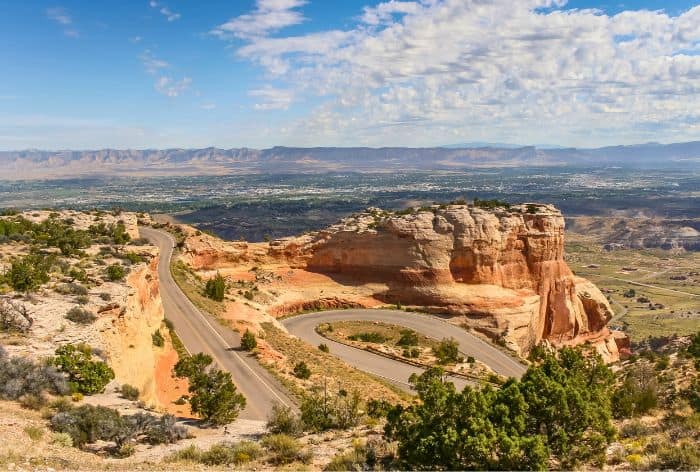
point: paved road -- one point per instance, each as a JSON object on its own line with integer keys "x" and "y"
{"x": 200, "y": 332}
{"x": 639, "y": 284}
{"x": 303, "y": 326}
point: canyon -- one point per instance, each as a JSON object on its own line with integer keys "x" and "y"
{"x": 499, "y": 271}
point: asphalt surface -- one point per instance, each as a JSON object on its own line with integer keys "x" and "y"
{"x": 303, "y": 326}
{"x": 200, "y": 332}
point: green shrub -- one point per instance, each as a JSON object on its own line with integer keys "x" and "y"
{"x": 29, "y": 272}
{"x": 378, "y": 408}
{"x": 371, "y": 337}
{"x": 447, "y": 351}
{"x": 85, "y": 375}
{"x": 62, "y": 439}
{"x": 132, "y": 257}
{"x": 559, "y": 411}
{"x": 129, "y": 392}
{"x": 104, "y": 296}
{"x": 115, "y": 272}
{"x": 634, "y": 429}
{"x": 80, "y": 315}
{"x": 78, "y": 274}
{"x": 231, "y": 454}
{"x": 283, "y": 420}
{"x": 248, "y": 341}
{"x": 88, "y": 423}
{"x": 638, "y": 392}
{"x": 216, "y": 288}
{"x": 301, "y": 370}
{"x": 213, "y": 395}
{"x": 413, "y": 353}
{"x": 408, "y": 338}
{"x": 190, "y": 453}
{"x": 683, "y": 456}
{"x": 284, "y": 449}
{"x": 321, "y": 411}
{"x": 158, "y": 339}
{"x": 323, "y": 347}
{"x": 224, "y": 453}
{"x": 361, "y": 457}
{"x": 494, "y": 203}
{"x": 163, "y": 430}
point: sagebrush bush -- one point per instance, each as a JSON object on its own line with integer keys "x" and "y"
{"x": 224, "y": 453}
{"x": 283, "y": 420}
{"x": 284, "y": 449}
{"x": 20, "y": 377}
{"x": 80, "y": 315}
{"x": 129, "y": 392}
{"x": 71, "y": 288}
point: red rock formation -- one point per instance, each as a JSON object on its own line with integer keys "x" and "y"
{"x": 500, "y": 271}
{"x": 430, "y": 256}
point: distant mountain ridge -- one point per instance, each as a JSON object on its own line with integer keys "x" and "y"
{"x": 35, "y": 164}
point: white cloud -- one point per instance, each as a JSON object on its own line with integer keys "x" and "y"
{"x": 385, "y": 12}
{"x": 268, "y": 16}
{"x": 165, "y": 11}
{"x": 208, "y": 106}
{"x": 171, "y": 87}
{"x": 272, "y": 98}
{"x": 151, "y": 63}
{"x": 435, "y": 71}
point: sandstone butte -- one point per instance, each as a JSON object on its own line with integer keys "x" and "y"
{"x": 499, "y": 271}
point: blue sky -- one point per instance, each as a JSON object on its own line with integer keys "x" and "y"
{"x": 178, "y": 73}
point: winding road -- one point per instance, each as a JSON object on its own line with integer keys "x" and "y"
{"x": 397, "y": 372}
{"x": 200, "y": 332}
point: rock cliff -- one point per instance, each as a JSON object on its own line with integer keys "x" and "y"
{"x": 500, "y": 271}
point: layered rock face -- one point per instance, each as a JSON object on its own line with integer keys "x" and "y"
{"x": 502, "y": 270}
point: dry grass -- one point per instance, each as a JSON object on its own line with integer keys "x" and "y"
{"x": 193, "y": 287}
{"x": 323, "y": 366}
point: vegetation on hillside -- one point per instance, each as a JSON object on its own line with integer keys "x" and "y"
{"x": 559, "y": 411}
{"x": 213, "y": 395}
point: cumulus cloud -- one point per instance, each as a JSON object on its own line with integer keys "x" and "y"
{"x": 164, "y": 10}
{"x": 271, "y": 98}
{"x": 436, "y": 71}
{"x": 268, "y": 16}
{"x": 171, "y": 87}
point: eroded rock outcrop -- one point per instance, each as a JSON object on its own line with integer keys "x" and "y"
{"x": 501, "y": 271}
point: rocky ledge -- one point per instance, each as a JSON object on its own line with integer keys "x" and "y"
{"x": 498, "y": 270}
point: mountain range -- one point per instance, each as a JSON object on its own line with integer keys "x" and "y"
{"x": 35, "y": 164}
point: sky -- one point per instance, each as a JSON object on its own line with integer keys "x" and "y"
{"x": 260, "y": 73}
